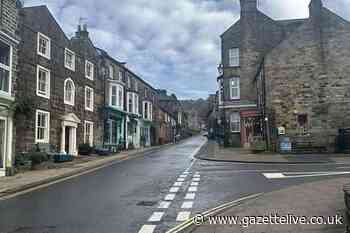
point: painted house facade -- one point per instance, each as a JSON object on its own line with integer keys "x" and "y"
{"x": 285, "y": 78}
{"x": 60, "y": 82}
{"x": 9, "y": 41}
{"x": 115, "y": 110}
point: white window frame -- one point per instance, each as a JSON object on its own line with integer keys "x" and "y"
{"x": 119, "y": 102}
{"x": 111, "y": 71}
{"x": 66, "y": 50}
{"x": 9, "y": 69}
{"x": 48, "y": 54}
{"x": 136, "y": 103}
{"x": 149, "y": 110}
{"x": 91, "y": 109}
{"x": 87, "y": 63}
{"x": 120, "y": 76}
{"x": 136, "y": 85}
{"x": 235, "y": 118}
{"x": 72, "y": 101}
{"x": 48, "y": 86}
{"x": 233, "y": 57}
{"x": 238, "y": 96}
{"x": 91, "y": 139}
{"x": 128, "y": 81}
{"x": 47, "y": 133}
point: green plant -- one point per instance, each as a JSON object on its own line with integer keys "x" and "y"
{"x": 37, "y": 158}
{"x": 85, "y": 149}
{"x": 24, "y": 106}
{"x": 258, "y": 145}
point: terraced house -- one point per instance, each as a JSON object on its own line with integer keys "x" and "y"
{"x": 9, "y": 40}
{"x": 60, "y": 85}
{"x": 285, "y": 78}
{"x": 113, "y": 73}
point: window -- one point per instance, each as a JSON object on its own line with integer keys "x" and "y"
{"x": 145, "y": 92}
{"x": 44, "y": 45}
{"x": 112, "y": 132}
{"x": 89, "y": 99}
{"x": 116, "y": 96}
{"x": 42, "y": 126}
{"x": 120, "y": 75}
{"x": 235, "y": 88}
{"x": 235, "y": 122}
{"x": 5, "y": 68}
{"x": 147, "y": 110}
{"x": 69, "y": 59}
{"x": 43, "y": 82}
{"x": 136, "y": 85}
{"x": 179, "y": 118}
{"x": 136, "y": 104}
{"x": 89, "y": 70}
{"x": 111, "y": 72}
{"x": 234, "y": 57}
{"x": 133, "y": 103}
{"x": 89, "y": 133}
{"x": 69, "y": 92}
{"x": 129, "y": 81}
{"x": 130, "y": 102}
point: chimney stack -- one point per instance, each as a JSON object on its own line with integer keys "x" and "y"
{"x": 315, "y": 8}
{"x": 248, "y": 7}
{"x": 82, "y": 31}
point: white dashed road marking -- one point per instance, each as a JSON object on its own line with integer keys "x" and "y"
{"x": 192, "y": 189}
{"x": 183, "y": 216}
{"x": 190, "y": 196}
{"x": 174, "y": 189}
{"x": 194, "y": 184}
{"x": 178, "y": 184}
{"x": 183, "y": 176}
{"x": 180, "y": 180}
{"x": 169, "y": 197}
{"x": 156, "y": 217}
{"x": 147, "y": 229}
{"x": 196, "y": 179}
{"x": 196, "y": 176}
{"x": 187, "y": 205}
{"x": 164, "y": 205}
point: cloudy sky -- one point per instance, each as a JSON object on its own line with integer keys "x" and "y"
{"x": 172, "y": 44}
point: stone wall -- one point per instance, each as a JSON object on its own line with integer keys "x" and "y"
{"x": 309, "y": 74}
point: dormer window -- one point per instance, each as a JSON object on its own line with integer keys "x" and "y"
{"x": 69, "y": 59}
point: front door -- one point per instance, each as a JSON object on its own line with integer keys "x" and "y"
{"x": 67, "y": 131}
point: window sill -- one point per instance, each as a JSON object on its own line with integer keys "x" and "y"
{"x": 89, "y": 109}
{"x": 7, "y": 96}
{"x": 90, "y": 78}
{"x": 69, "y": 68}
{"x": 68, "y": 103}
{"x": 43, "y": 96}
{"x": 44, "y": 56}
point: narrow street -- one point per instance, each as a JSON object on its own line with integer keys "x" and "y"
{"x": 146, "y": 194}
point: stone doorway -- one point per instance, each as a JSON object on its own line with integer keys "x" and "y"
{"x": 69, "y": 134}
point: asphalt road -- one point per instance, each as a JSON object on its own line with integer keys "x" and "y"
{"x": 125, "y": 197}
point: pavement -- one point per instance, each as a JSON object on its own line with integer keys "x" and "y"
{"x": 30, "y": 179}
{"x": 322, "y": 198}
{"x": 213, "y": 152}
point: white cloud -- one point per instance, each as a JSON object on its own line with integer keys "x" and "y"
{"x": 174, "y": 45}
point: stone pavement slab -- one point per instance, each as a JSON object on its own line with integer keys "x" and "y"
{"x": 321, "y": 198}
{"x": 212, "y": 151}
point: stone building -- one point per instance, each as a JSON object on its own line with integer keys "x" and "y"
{"x": 60, "y": 85}
{"x": 9, "y": 40}
{"x": 172, "y": 105}
{"x": 291, "y": 75}
{"x": 115, "y": 111}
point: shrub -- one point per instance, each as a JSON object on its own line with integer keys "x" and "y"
{"x": 37, "y": 158}
{"x": 85, "y": 149}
